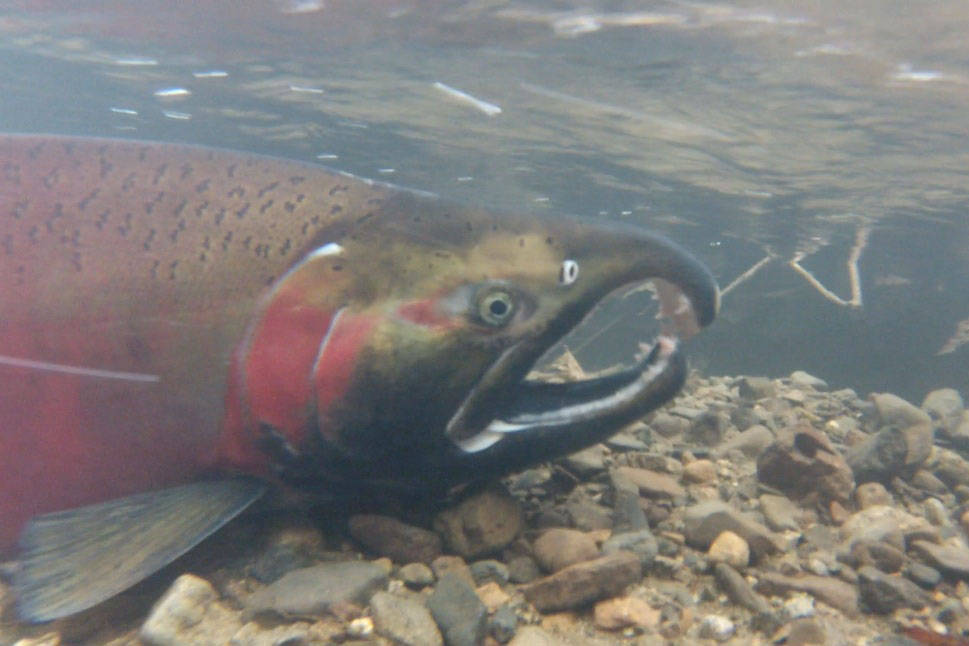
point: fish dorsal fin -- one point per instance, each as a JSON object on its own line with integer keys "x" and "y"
{"x": 75, "y": 559}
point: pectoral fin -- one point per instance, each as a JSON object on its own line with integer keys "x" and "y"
{"x": 75, "y": 559}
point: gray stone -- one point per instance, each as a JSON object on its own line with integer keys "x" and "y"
{"x": 668, "y": 425}
{"x": 403, "y": 620}
{"x": 642, "y": 543}
{"x": 891, "y": 452}
{"x": 750, "y": 442}
{"x": 447, "y": 564}
{"x": 559, "y": 548}
{"x": 523, "y": 569}
{"x": 584, "y": 583}
{"x": 458, "y": 611}
{"x": 503, "y": 624}
{"x": 801, "y": 462}
{"x": 717, "y": 627}
{"x": 588, "y": 462}
{"x": 883, "y": 556}
{"x": 834, "y": 592}
{"x": 892, "y": 410}
{"x": 416, "y": 575}
{"x": 289, "y": 549}
{"x": 869, "y": 494}
{"x": 708, "y": 429}
{"x": 313, "y": 590}
{"x": 189, "y": 613}
{"x": 883, "y": 593}
{"x": 801, "y": 378}
{"x": 489, "y": 570}
{"x": 386, "y": 536}
{"x": 885, "y": 523}
{"x": 945, "y": 407}
{"x": 927, "y": 481}
{"x": 922, "y": 575}
{"x": 586, "y": 513}
{"x": 705, "y": 521}
{"x": 951, "y": 557}
{"x": 753, "y": 388}
{"x": 623, "y": 441}
{"x": 481, "y": 524}
{"x": 628, "y": 514}
{"x": 778, "y": 512}
{"x": 738, "y": 590}
{"x": 653, "y": 484}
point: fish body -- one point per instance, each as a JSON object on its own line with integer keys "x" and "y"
{"x": 174, "y": 314}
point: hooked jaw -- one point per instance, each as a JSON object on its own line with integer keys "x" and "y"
{"x": 535, "y": 420}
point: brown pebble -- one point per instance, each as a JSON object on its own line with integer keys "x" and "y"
{"x": 625, "y": 612}
{"x": 700, "y": 471}
{"x": 559, "y": 548}
{"x": 585, "y": 582}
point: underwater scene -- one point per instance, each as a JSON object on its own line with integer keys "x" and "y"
{"x": 482, "y": 322}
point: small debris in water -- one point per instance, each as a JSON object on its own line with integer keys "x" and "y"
{"x": 306, "y": 89}
{"x": 172, "y": 92}
{"x": 181, "y": 116}
{"x": 210, "y": 74}
{"x": 136, "y": 61}
{"x": 465, "y": 178}
{"x": 128, "y": 111}
{"x": 489, "y": 109}
{"x": 327, "y": 156}
{"x": 386, "y": 171}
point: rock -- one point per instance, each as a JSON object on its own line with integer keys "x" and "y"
{"x": 705, "y": 521}
{"x": 668, "y": 425}
{"x": 888, "y": 524}
{"x": 951, "y": 557}
{"x": 868, "y": 494}
{"x": 892, "y": 410}
{"x": 797, "y": 606}
{"x": 522, "y": 569}
{"x": 891, "y": 452}
{"x": 753, "y": 388}
{"x": 189, "y": 613}
{"x": 717, "y": 627}
{"x": 503, "y": 624}
{"x": 922, "y": 575}
{"x": 586, "y": 513}
{"x": 627, "y": 512}
{"x": 47, "y": 639}
{"x": 313, "y": 590}
{"x": 481, "y": 524}
{"x": 806, "y": 632}
{"x": 625, "y": 612}
{"x": 588, "y": 462}
{"x": 534, "y": 636}
{"x": 653, "y": 484}
{"x": 700, "y": 471}
{"x": 489, "y": 570}
{"x": 458, "y": 611}
{"x": 559, "y": 548}
{"x": 708, "y": 428}
{"x": 289, "y": 549}
{"x": 416, "y": 575}
{"x": 945, "y": 407}
{"x": 750, "y": 442}
{"x": 389, "y": 537}
{"x": 642, "y": 543}
{"x": 950, "y": 467}
{"x": 883, "y": 556}
{"x": 883, "y": 593}
{"x": 926, "y": 481}
{"x": 936, "y": 513}
{"x": 730, "y": 549}
{"x": 834, "y": 592}
{"x": 801, "y": 378}
{"x": 583, "y": 583}
{"x": 623, "y": 441}
{"x": 360, "y": 628}
{"x": 444, "y": 565}
{"x": 301, "y": 632}
{"x": 404, "y": 621}
{"x": 778, "y": 512}
{"x": 738, "y": 590}
{"x": 492, "y": 596}
{"x": 802, "y": 461}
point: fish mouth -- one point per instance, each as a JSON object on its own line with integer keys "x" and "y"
{"x": 528, "y": 411}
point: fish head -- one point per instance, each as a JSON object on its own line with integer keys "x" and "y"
{"x": 426, "y": 322}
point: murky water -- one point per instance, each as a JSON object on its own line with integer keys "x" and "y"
{"x": 754, "y": 131}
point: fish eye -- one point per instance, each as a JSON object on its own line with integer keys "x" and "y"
{"x": 496, "y": 307}
{"x": 569, "y": 272}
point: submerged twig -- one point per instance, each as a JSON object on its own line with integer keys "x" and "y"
{"x": 861, "y": 241}
{"x": 747, "y": 275}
